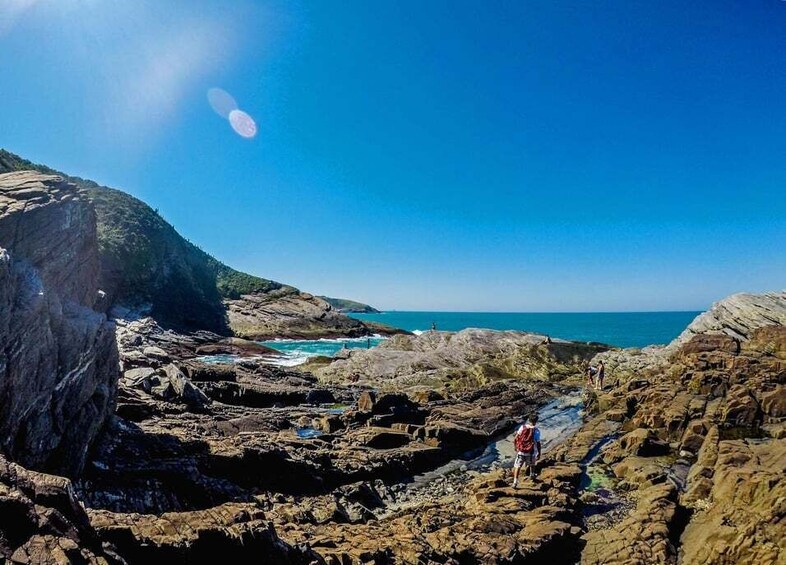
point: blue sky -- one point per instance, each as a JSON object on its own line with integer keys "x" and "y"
{"x": 492, "y": 156}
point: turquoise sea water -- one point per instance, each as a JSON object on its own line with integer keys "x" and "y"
{"x": 622, "y": 329}
{"x": 298, "y": 350}
{"x": 628, "y": 329}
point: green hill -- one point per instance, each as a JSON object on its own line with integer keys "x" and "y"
{"x": 146, "y": 263}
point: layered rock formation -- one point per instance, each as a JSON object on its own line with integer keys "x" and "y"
{"x": 467, "y": 359}
{"x": 58, "y": 358}
{"x": 41, "y": 521}
{"x": 284, "y": 313}
{"x": 702, "y": 453}
{"x": 737, "y": 316}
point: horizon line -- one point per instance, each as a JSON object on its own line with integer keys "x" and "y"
{"x": 532, "y": 312}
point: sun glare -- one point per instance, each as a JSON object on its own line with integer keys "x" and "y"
{"x": 243, "y": 124}
{"x": 225, "y": 106}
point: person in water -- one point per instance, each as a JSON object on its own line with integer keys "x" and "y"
{"x": 528, "y": 448}
{"x": 601, "y": 375}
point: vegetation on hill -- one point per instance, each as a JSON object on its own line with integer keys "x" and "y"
{"x": 145, "y": 262}
{"x": 344, "y": 305}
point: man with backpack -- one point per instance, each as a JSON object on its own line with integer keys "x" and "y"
{"x": 528, "y": 448}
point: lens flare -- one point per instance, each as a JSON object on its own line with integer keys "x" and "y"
{"x": 243, "y": 124}
{"x": 221, "y": 101}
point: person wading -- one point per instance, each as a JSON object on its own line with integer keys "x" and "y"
{"x": 528, "y": 448}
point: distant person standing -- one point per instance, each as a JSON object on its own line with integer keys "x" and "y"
{"x": 591, "y": 376}
{"x": 601, "y": 375}
{"x": 433, "y": 326}
{"x": 368, "y": 343}
{"x": 528, "y": 448}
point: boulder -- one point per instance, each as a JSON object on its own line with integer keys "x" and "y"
{"x": 329, "y": 424}
{"x": 773, "y": 403}
{"x": 156, "y": 353}
{"x": 643, "y": 443}
{"x": 42, "y": 522}
{"x": 141, "y": 378}
{"x": 174, "y": 386}
{"x": 426, "y": 396}
{"x": 641, "y": 471}
{"x": 741, "y": 408}
{"x": 205, "y": 372}
{"x": 447, "y": 435}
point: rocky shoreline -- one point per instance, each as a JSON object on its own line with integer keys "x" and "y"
{"x": 651, "y": 473}
{"x": 120, "y": 444}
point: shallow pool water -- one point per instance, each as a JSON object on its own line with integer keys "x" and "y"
{"x": 307, "y": 433}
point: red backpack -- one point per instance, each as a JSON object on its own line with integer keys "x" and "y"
{"x": 525, "y": 440}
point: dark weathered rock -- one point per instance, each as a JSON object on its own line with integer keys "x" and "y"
{"x": 232, "y": 533}
{"x": 174, "y": 386}
{"x": 58, "y": 358}
{"x": 42, "y": 522}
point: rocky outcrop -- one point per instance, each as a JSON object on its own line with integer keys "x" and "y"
{"x": 744, "y": 518}
{"x": 467, "y": 359}
{"x": 703, "y": 453}
{"x": 42, "y": 522}
{"x": 58, "y": 358}
{"x": 231, "y": 533}
{"x": 737, "y": 316}
{"x": 284, "y": 313}
{"x": 642, "y": 538}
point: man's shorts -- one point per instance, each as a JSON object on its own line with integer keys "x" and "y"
{"x": 527, "y": 459}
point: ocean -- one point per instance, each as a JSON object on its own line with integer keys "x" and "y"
{"x": 621, "y": 329}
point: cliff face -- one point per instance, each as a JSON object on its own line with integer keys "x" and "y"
{"x": 58, "y": 357}
{"x": 147, "y": 265}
